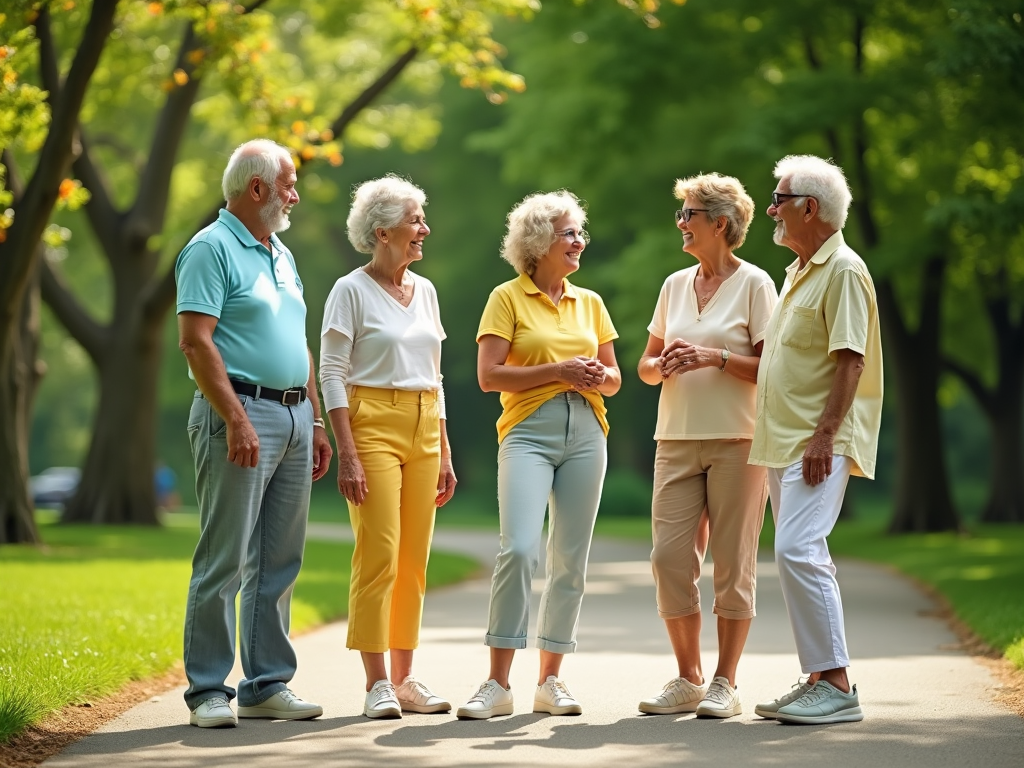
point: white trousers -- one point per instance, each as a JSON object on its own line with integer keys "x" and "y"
{"x": 804, "y": 516}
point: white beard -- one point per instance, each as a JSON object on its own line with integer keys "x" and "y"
{"x": 273, "y": 216}
{"x": 780, "y": 232}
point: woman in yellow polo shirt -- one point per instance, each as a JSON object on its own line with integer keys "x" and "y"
{"x": 546, "y": 345}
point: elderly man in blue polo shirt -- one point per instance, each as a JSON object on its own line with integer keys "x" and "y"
{"x": 257, "y": 439}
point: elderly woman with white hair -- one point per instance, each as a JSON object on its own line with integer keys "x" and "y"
{"x": 704, "y": 351}
{"x": 546, "y": 346}
{"x": 380, "y": 374}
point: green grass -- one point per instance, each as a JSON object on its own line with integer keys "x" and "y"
{"x": 98, "y": 607}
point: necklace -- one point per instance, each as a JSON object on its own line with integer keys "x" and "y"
{"x": 397, "y": 291}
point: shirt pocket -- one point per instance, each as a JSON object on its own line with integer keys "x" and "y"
{"x": 799, "y": 328}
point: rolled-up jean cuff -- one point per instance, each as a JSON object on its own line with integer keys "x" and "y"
{"x": 515, "y": 643}
{"x": 553, "y": 647}
{"x": 734, "y": 615}
{"x": 679, "y": 614}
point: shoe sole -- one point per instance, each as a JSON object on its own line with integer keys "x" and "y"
{"x": 484, "y": 714}
{"x": 767, "y": 714}
{"x": 423, "y": 709}
{"x": 383, "y": 714}
{"x": 213, "y": 722}
{"x": 547, "y": 709}
{"x": 261, "y": 713}
{"x": 653, "y": 709}
{"x": 852, "y": 715}
{"x": 721, "y": 714}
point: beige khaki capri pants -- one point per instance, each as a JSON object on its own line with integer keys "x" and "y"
{"x": 689, "y": 476}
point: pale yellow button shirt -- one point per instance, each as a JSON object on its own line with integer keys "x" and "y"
{"x": 828, "y": 306}
{"x": 540, "y": 332}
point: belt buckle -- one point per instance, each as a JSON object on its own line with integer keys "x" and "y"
{"x": 291, "y": 397}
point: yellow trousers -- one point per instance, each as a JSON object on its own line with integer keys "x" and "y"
{"x": 398, "y": 439}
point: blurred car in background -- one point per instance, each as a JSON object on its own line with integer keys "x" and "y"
{"x": 55, "y": 486}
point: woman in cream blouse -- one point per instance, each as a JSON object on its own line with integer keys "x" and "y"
{"x": 380, "y": 371}
{"x": 704, "y": 350}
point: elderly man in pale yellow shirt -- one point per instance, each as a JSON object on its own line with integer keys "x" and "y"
{"x": 819, "y": 406}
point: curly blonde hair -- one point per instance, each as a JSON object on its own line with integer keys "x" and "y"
{"x": 531, "y": 227}
{"x": 722, "y": 196}
{"x": 380, "y": 204}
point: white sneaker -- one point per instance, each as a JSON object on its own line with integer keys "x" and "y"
{"x": 489, "y": 700}
{"x": 823, "y": 703}
{"x": 414, "y": 696}
{"x": 215, "y": 712}
{"x": 679, "y": 695}
{"x": 721, "y": 700}
{"x": 554, "y": 698}
{"x": 771, "y": 708}
{"x": 381, "y": 701}
{"x": 283, "y": 705}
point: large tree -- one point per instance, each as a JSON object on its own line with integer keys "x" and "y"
{"x": 124, "y": 83}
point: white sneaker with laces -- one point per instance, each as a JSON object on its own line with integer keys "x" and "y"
{"x": 554, "y": 698}
{"x": 489, "y": 700}
{"x": 769, "y": 709}
{"x": 283, "y": 705}
{"x": 679, "y": 695}
{"x": 215, "y": 712}
{"x": 721, "y": 700}
{"x": 381, "y": 701}
{"x": 414, "y": 696}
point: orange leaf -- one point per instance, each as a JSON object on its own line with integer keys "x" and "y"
{"x": 180, "y": 76}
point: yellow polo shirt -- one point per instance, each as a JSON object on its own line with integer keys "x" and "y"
{"x": 519, "y": 312}
{"x": 827, "y": 306}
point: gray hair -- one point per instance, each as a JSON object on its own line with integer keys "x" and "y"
{"x": 722, "y": 196}
{"x": 380, "y": 204}
{"x": 259, "y": 158}
{"x": 531, "y": 227}
{"x": 821, "y": 179}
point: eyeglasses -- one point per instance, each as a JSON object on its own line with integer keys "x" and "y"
{"x": 685, "y": 214}
{"x": 778, "y": 197}
{"x": 575, "y": 234}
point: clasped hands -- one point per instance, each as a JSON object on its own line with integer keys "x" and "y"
{"x": 681, "y": 356}
{"x": 583, "y": 373}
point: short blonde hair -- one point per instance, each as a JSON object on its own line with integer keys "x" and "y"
{"x": 379, "y": 204}
{"x": 531, "y": 227}
{"x": 722, "y": 196}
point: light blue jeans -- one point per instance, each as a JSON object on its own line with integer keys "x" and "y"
{"x": 252, "y": 529}
{"x": 555, "y": 458}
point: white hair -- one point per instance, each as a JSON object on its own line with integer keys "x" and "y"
{"x": 823, "y": 180}
{"x": 259, "y": 158}
{"x": 380, "y": 204}
{"x": 531, "y": 227}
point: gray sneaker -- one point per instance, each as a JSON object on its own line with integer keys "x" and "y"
{"x": 822, "y": 704}
{"x": 771, "y": 708}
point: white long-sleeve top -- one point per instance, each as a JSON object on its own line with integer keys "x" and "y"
{"x": 369, "y": 339}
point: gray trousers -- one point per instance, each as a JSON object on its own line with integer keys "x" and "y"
{"x": 252, "y": 530}
{"x": 554, "y": 459}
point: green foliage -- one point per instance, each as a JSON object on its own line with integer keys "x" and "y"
{"x": 97, "y": 608}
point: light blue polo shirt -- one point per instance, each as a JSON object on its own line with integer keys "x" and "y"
{"x": 255, "y": 293}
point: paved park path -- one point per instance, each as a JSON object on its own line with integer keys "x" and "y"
{"x": 926, "y": 705}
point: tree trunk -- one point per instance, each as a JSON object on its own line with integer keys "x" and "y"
{"x": 117, "y": 479}
{"x": 923, "y": 502}
{"x": 1006, "y": 417}
{"x": 20, "y": 373}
